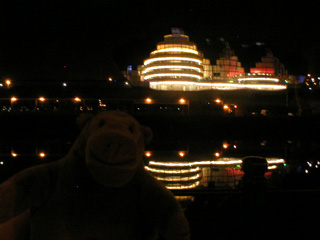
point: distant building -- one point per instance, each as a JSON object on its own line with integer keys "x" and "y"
{"x": 227, "y": 66}
{"x": 177, "y": 65}
{"x": 270, "y": 65}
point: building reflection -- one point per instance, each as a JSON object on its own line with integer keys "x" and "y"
{"x": 186, "y": 165}
{"x": 202, "y": 171}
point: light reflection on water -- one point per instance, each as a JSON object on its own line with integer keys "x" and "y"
{"x": 214, "y": 164}
{"x": 184, "y": 165}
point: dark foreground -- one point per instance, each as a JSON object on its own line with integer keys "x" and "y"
{"x": 280, "y": 213}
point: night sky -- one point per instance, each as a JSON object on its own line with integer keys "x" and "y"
{"x": 92, "y": 40}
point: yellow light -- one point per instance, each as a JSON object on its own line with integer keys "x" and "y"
{"x": 13, "y": 99}
{"x": 171, "y": 75}
{"x": 222, "y": 86}
{"x": 186, "y": 50}
{"x": 179, "y": 67}
{"x": 217, "y": 154}
{"x": 77, "y": 99}
{"x": 221, "y": 161}
{"x": 180, "y": 171}
{"x": 218, "y": 100}
{"x": 148, "y": 100}
{"x": 259, "y": 79}
{"x": 225, "y": 145}
{"x": 225, "y": 107}
{"x": 193, "y": 185}
{"x": 148, "y": 154}
{"x": 171, "y": 59}
{"x": 178, "y": 178}
{"x": 42, "y": 154}
{"x": 275, "y": 160}
{"x": 42, "y": 99}
{"x": 272, "y": 167}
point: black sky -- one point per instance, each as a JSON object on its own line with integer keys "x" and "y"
{"x": 82, "y": 40}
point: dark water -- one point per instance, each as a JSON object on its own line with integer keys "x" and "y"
{"x": 186, "y": 153}
{"x": 200, "y": 160}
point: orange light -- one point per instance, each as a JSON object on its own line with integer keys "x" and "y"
{"x": 217, "y": 154}
{"x": 225, "y": 145}
{"x": 182, "y": 101}
{"x": 42, "y": 99}
{"x": 182, "y": 154}
{"x": 148, "y": 154}
{"x": 218, "y": 100}
{"x": 225, "y": 107}
{"x": 13, "y": 154}
{"x": 77, "y": 99}
{"x": 8, "y": 82}
{"x": 13, "y": 99}
{"x": 42, "y": 154}
{"x": 148, "y": 100}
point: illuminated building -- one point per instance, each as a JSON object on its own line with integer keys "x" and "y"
{"x": 178, "y": 171}
{"x": 270, "y": 65}
{"x": 227, "y": 66}
{"x": 176, "y": 64}
{"x": 258, "y": 78}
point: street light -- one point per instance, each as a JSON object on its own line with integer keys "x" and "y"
{"x": 148, "y": 154}
{"x": 8, "y": 82}
{"x": 77, "y": 99}
{"x": 148, "y": 100}
{"x": 182, "y": 101}
{"x": 42, "y": 154}
{"x": 182, "y": 153}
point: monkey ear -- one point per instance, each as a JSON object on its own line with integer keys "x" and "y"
{"x": 82, "y": 119}
{"x": 147, "y": 134}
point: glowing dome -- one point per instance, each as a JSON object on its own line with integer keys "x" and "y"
{"x": 176, "y": 59}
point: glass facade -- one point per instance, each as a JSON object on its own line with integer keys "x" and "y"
{"x": 177, "y": 65}
{"x": 228, "y": 65}
{"x": 270, "y": 65}
{"x": 176, "y": 60}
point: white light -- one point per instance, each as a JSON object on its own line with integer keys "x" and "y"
{"x": 259, "y": 79}
{"x": 180, "y": 171}
{"x": 178, "y": 178}
{"x": 222, "y": 86}
{"x": 186, "y": 50}
{"x": 171, "y": 75}
{"x": 180, "y": 67}
{"x": 272, "y": 167}
{"x": 194, "y": 185}
{"x": 275, "y": 160}
{"x": 220, "y": 161}
{"x": 172, "y": 59}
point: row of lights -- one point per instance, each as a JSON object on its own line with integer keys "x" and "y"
{"x": 43, "y": 99}
{"x": 40, "y": 154}
{"x": 150, "y": 101}
{"x": 184, "y": 101}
